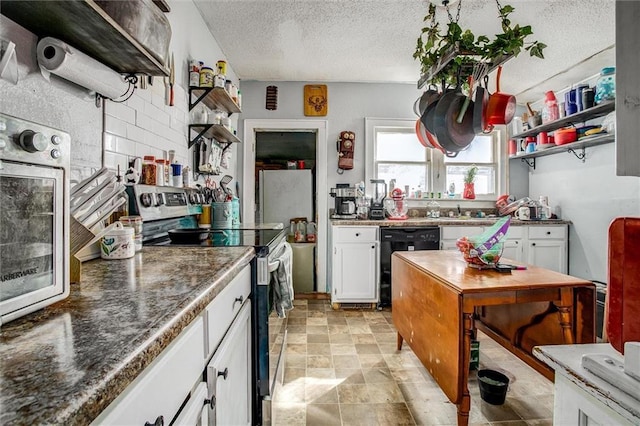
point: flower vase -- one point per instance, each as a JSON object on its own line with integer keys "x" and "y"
{"x": 469, "y": 192}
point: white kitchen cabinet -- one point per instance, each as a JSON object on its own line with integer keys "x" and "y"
{"x": 540, "y": 245}
{"x": 355, "y": 264}
{"x": 450, "y": 234}
{"x": 158, "y": 392}
{"x": 229, "y": 374}
{"x": 547, "y": 247}
{"x": 222, "y": 333}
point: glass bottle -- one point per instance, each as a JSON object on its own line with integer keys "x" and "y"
{"x": 606, "y": 85}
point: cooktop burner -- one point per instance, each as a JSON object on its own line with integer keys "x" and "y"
{"x": 229, "y": 238}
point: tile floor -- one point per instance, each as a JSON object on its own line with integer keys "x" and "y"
{"x": 342, "y": 368}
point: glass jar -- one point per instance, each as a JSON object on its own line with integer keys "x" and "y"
{"x": 433, "y": 209}
{"x": 149, "y": 170}
{"x": 606, "y": 85}
{"x": 160, "y": 165}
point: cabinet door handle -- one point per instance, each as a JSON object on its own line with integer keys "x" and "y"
{"x": 548, "y": 232}
{"x": 533, "y": 244}
{"x": 357, "y": 234}
{"x": 159, "y": 422}
{"x": 238, "y": 299}
{"x": 224, "y": 373}
{"x": 373, "y": 247}
{"x": 211, "y": 402}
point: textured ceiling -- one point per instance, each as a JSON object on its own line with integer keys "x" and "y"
{"x": 374, "y": 40}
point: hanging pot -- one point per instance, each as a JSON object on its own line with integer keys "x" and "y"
{"x": 501, "y": 107}
{"x": 422, "y": 135}
{"x": 453, "y": 136}
{"x": 427, "y": 121}
{"x": 424, "y": 101}
{"x": 479, "y": 110}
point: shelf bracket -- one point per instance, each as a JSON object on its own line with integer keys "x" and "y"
{"x": 205, "y": 92}
{"x": 204, "y": 127}
{"x": 531, "y": 162}
{"x": 580, "y": 156}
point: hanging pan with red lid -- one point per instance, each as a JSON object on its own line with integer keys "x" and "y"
{"x": 501, "y": 107}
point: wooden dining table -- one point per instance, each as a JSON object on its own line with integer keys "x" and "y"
{"x": 439, "y": 303}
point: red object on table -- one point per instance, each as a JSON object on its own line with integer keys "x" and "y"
{"x": 623, "y": 289}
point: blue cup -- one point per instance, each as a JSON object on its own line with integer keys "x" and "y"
{"x": 531, "y": 147}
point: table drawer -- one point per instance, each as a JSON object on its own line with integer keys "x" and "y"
{"x": 354, "y": 234}
{"x": 223, "y": 309}
{"x": 547, "y": 232}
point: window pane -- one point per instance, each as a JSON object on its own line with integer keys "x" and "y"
{"x": 483, "y": 184}
{"x": 479, "y": 151}
{"x": 414, "y": 176}
{"x": 396, "y": 146}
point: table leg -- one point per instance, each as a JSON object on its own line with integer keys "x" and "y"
{"x": 399, "y": 342}
{"x": 465, "y": 402}
{"x": 564, "y": 314}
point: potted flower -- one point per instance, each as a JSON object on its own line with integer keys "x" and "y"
{"x": 470, "y": 176}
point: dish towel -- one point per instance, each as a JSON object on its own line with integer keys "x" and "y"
{"x": 282, "y": 283}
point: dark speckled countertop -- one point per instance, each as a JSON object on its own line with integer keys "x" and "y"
{"x": 444, "y": 221}
{"x": 65, "y": 364}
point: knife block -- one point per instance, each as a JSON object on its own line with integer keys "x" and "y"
{"x": 79, "y": 237}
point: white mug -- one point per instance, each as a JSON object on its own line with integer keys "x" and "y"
{"x": 523, "y": 213}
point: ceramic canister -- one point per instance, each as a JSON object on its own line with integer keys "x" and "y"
{"x": 118, "y": 243}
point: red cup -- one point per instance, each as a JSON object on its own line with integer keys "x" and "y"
{"x": 543, "y": 138}
{"x": 512, "y": 147}
{"x": 301, "y": 164}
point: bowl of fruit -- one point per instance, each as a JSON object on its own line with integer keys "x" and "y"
{"x": 476, "y": 256}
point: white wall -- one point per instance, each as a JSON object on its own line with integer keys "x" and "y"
{"x": 143, "y": 125}
{"x": 349, "y": 104}
{"x": 590, "y": 195}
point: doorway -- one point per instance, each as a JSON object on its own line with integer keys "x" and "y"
{"x": 264, "y": 130}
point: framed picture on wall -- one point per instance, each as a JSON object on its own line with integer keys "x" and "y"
{"x": 316, "y": 102}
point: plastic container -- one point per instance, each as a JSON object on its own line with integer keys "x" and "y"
{"x": 118, "y": 243}
{"x": 606, "y": 85}
{"x": 493, "y": 386}
{"x": 566, "y": 135}
{"x": 160, "y": 175}
{"x": 206, "y": 77}
{"x": 550, "y": 112}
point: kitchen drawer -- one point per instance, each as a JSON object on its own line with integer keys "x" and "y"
{"x": 223, "y": 309}
{"x": 162, "y": 387}
{"x": 455, "y": 232}
{"x": 516, "y": 232}
{"x": 354, "y": 234}
{"x": 547, "y": 232}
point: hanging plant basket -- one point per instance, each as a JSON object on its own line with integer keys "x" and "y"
{"x": 450, "y": 57}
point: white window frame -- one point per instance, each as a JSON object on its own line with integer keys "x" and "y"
{"x": 434, "y": 159}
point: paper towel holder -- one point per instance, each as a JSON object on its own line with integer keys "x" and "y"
{"x": 132, "y": 79}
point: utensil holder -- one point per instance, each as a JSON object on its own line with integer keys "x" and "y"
{"x": 79, "y": 237}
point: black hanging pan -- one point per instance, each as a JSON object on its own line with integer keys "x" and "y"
{"x": 479, "y": 110}
{"x": 453, "y": 136}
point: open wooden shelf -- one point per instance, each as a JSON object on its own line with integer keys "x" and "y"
{"x": 572, "y": 148}
{"x": 215, "y": 98}
{"x": 85, "y": 26}
{"x": 215, "y": 131}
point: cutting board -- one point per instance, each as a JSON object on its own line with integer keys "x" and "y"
{"x": 316, "y": 102}
{"x": 623, "y": 290}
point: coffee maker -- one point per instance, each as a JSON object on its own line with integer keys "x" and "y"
{"x": 376, "y": 212}
{"x": 345, "y": 201}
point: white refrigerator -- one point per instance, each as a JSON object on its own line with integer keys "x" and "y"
{"x": 285, "y": 194}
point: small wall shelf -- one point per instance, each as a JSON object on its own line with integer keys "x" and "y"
{"x": 84, "y": 25}
{"x": 215, "y": 98}
{"x": 580, "y": 117}
{"x": 215, "y": 131}
{"x": 572, "y": 148}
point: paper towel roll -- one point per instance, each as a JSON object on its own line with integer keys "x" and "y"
{"x": 59, "y": 58}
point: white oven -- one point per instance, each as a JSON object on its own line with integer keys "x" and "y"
{"x": 34, "y": 218}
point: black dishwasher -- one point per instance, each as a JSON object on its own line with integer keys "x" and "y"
{"x": 402, "y": 239}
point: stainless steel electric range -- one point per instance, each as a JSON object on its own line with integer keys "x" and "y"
{"x": 165, "y": 208}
